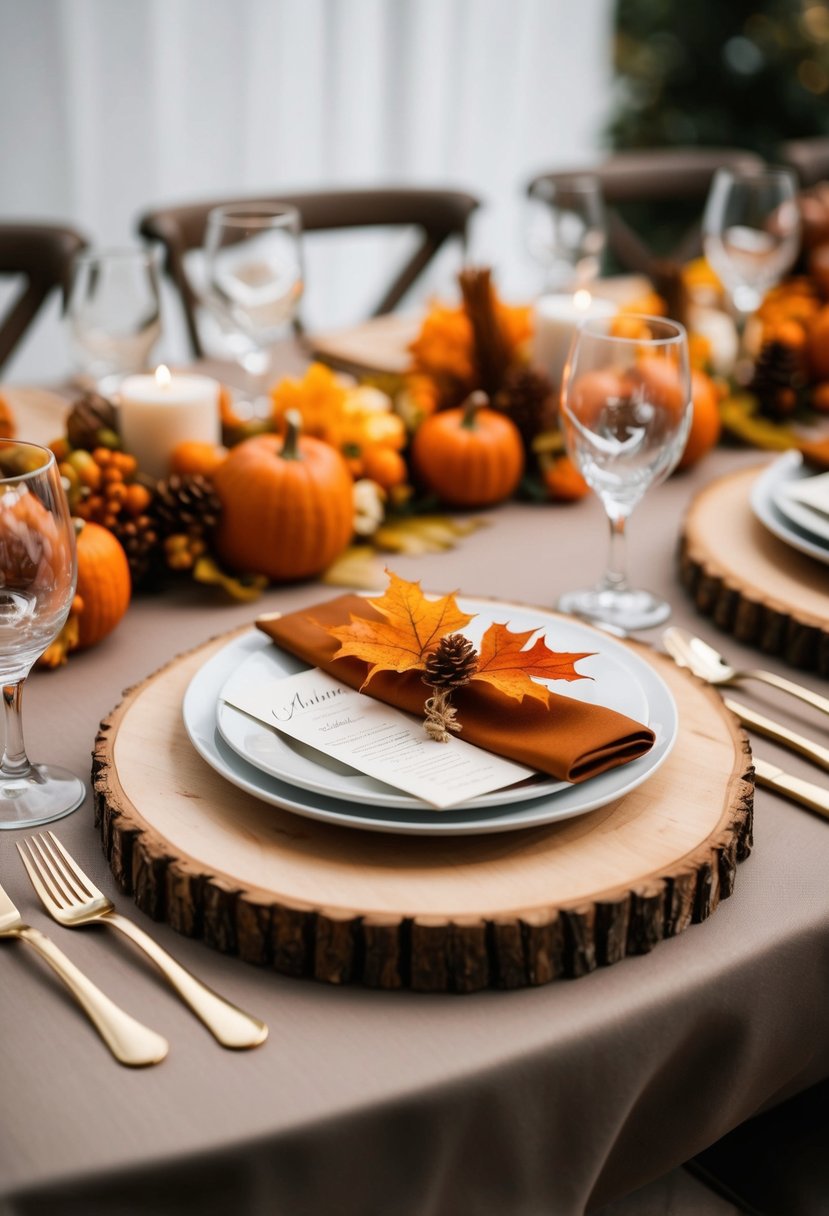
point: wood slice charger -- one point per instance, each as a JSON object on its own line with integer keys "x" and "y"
{"x": 752, "y": 584}
{"x": 450, "y": 914}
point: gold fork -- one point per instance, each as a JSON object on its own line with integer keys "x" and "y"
{"x": 72, "y": 900}
{"x": 129, "y": 1041}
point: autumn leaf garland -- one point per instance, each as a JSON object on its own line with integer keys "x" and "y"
{"x": 416, "y": 633}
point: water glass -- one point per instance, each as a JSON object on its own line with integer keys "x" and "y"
{"x": 114, "y": 311}
{"x": 254, "y": 278}
{"x": 625, "y": 411}
{"x": 38, "y": 573}
{"x": 566, "y": 230}
{"x": 751, "y": 231}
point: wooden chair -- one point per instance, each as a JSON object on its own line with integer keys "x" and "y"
{"x": 809, "y": 158}
{"x": 676, "y": 178}
{"x": 440, "y": 214}
{"x": 42, "y": 254}
{"x": 775, "y": 1164}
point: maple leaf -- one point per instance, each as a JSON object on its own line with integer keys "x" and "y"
{"x": 504, "y": 663}
{"x": 411, "y": 627}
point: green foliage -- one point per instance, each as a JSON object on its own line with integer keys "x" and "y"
{"x": 737, "y": 73}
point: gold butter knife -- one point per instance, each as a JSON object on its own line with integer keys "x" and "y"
{"x": 814, "y": 797}
{"x": 781, "y": 734}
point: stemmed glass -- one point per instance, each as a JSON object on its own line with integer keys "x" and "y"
{"x": 625, "y": 411}
{"x": 751, "y": 233}
{"x": 38, "y": 572}
{"x": 114, "y": 311}
{"x": 254, "y": 280}
{"x": 566, "y": 230}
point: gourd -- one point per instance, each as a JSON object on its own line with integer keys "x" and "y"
{"x": 470, "y": 456}
{"x": 287, "y": 505}
{"x": 104, "y": 584}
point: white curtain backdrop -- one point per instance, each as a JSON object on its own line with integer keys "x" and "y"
{"x": 109, "y": 107}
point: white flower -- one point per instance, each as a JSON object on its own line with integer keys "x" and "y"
{"x": 369, "y": 506}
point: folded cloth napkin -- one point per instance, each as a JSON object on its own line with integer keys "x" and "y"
{"x": 567, "y": 738}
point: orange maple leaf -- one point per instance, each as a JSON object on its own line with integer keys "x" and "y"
{"x": 411, "y": 628}
{"x": 504, "y": 663}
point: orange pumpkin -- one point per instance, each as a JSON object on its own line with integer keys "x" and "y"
{"x": 706, "y": 424}
{"x": 193, "y": 456}
{"x": 7, "y": 424}
{"x": 563, "y": 481}
{"x": 470, "y": 456}
{"x": 104, "y": 584}
{"x": 287, "y": 505}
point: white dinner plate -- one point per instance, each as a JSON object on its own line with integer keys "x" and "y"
{"x": 612, "y": 683}
{"x": 199, "y": 711}
{"x": 786, "y": 470}
{"x": 802, "y": 516}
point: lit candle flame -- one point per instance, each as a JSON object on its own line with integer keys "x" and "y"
{"x": 582, "y": 299}
{"x": 163, "y": 376}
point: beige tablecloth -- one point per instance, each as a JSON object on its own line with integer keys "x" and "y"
{"x": 552, "y": 1100}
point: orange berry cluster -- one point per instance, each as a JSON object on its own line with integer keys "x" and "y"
{"x": 101, "y": 488}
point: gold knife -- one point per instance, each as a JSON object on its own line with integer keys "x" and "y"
{"x": 781, "y": 734}
{"x": 815, "y": 797}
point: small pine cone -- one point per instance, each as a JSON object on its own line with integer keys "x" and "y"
{"x": 91, "y": 419}
{"x": 139, "y": 540}
{"x": 187, "y": 504}
{"x": 777, "y": 379}
{"x": 452, "y": 664}
{"x": 528, "y": 398}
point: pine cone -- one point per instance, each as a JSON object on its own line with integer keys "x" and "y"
{"x": 777, "y": 379}
{"x": 139, "y": 539}
{"x": 452, "y": 664}
{"x": 528, "y": 398}
{"x": 187, "y": 505}
{"x": 91, "y": 420}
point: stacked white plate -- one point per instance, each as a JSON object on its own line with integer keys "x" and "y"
{"x": 793, "y": 503}
{"x": 287, "y": 774}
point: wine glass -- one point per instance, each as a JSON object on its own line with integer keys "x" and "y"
{"x": 113, "y": 312}
{"x": 625, "y": 411}
{"x": 751, "y": 232}
{"x": 254, "y": 280}
{"x": 566, "y": 230}
{"x": 38, "y": 572}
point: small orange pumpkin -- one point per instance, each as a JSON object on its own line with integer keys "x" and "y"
{"x": 470, "y": 456}
{"x": 287, "y": 505}
{"x": 104, "y": 584}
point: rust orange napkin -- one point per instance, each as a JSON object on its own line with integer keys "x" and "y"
{"x": 566, "y": 738}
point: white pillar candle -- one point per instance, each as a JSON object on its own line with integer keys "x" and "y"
{"x": 556, "y": 319}
{"x": 158, "y": 412}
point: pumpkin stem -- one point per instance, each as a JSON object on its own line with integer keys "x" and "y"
{"x": 293, "y": 427}
{"x": 474, "y": 402}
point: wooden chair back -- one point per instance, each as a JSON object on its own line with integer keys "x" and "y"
{"x": 655, "y": 175}
{"x": 42, "y": 254}
{"x": 439, "y": 214}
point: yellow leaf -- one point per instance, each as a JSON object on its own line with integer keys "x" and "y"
{"x": 423, "y": 534}
{"x": 411, "y": 627}
{"x": 504, "y": 663}
{"x": 246, "y": 588}
{"x": 357, "y": 567}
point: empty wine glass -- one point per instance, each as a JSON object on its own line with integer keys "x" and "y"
{"x": 113, "y": 312}
{"x": 566, "y": 230}
{"x": 625, "y": 412}
{"x": 38, "y": 572}
{"x": 254, "y": 279}
{"x": 751, "y": 232}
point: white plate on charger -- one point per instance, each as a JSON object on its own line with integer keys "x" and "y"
{"x": 767, "y": 496}
{"x": 562, "y": 802}
{"x": 278, "y": 755}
